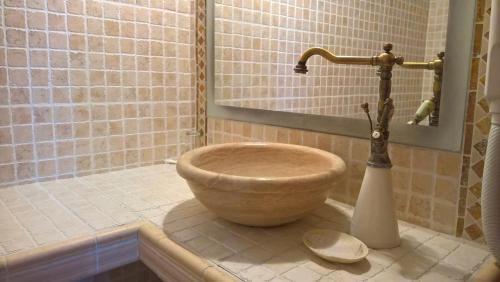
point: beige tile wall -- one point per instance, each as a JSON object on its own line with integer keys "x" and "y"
{"x": 257, "y": 44}
{"x": 89, "y": 86}
{"x": 425, "y": 181}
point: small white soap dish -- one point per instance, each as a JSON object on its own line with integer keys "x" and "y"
{"x": 335, "y": 246}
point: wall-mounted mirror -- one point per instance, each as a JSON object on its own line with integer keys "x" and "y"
{"x": 254, "y": 46}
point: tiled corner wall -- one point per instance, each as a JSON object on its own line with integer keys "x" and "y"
{"x": 258, "y": 44}
{"x": 433, "y": 188}
{"x": 88, "y": 86}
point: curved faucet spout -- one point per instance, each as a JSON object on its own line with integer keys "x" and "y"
{"x": 347, "y": 60}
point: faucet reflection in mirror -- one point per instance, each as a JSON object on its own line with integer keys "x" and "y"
{"x": 374, "y": 220}
{"x": 429, "y": 107}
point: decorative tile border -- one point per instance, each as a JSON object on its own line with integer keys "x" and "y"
{"x": 201, "y": 74}
{"x": 477, "y": 126}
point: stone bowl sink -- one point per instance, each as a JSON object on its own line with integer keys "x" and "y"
{"x": 260, "y": 184}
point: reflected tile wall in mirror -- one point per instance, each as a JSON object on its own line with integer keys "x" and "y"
{"x": 257, "y": 44}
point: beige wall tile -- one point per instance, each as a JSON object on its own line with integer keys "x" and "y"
{"x": 26, "y": 170}
{"x": 44, "y": 132}
{"x": 56, "y": 22}
{"x": 5, "y": 136}
{"x": 401, "y": 179}
{"x": 6, "y": 154}
{"x": 39, "y": 77}
{"x": 95, "y": 69}
{"x": 36, "y": 4}
{"x": 14, "y": 18}
{"x": 16, "y": 38}
{"x": 21, "y": 115}
{"x": 22, "y": 134}
{"x": 448, "y": 164}
{"x": 44, "y": 150}
{"x": 5, "y": 116}
{"x": 18, "y": 77}
{"x": 55, "y": 6}
{"x": 37, "y": 20}
{"x": 422, "y": 183}
{"x": 19, "y": 96}
{"x": 446, "y": 190}
{"x": 39, "y": 58}
{"x": 76, "y": 24}
{"x": 17, "y": 58}
{"x": 46, "y": 168}
{"x": 7, "y": 173}
{"x": 444, "y": 214}
{"x": 75, "y": 6}
{"x": 420, "y": 207}
{"x": 424, "y": 160}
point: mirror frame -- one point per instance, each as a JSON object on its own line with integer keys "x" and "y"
{"x": 447, "y": 136}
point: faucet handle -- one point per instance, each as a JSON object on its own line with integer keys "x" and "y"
{"x": 399, "y": 60}
{"x": 366, "y": 109}
{"x": 387, "y": 47}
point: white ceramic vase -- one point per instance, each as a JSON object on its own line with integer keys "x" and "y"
{"x": 374, "y": 221}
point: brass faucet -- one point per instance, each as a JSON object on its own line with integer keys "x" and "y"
{"x": 385, "y": 109}
{"x": 431, "y": 106}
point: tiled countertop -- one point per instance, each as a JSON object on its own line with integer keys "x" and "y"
{"x": 42, "y": 213}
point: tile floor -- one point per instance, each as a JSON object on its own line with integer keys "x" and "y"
{"x": 42, "y": 213}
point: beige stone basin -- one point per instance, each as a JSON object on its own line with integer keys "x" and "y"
{"x": 260, "y": 184}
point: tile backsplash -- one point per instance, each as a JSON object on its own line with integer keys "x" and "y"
{"x": 433, "y": 188}
{"x": 258, "y": 43}
{"x": 90, "y": 86}
{"x": 425, "y": 181}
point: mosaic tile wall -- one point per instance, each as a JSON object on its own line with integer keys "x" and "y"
{"x": 433, "y": 188}
{"x": 258, "y": 44}
{"x": 91, "y": 86}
